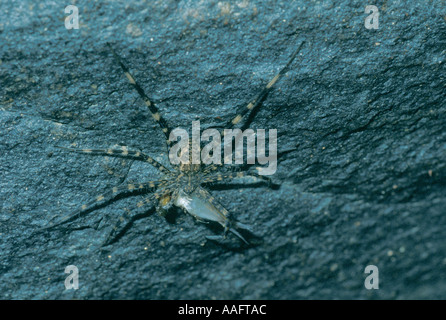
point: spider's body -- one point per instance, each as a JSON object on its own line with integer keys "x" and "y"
{"x": 181, "y": 187}
{"x": 184, "y": 185}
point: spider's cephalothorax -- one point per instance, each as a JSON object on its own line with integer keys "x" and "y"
{"x": 183, "y": 185}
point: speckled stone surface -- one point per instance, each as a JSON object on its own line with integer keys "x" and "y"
{"x": 364, "y": 109}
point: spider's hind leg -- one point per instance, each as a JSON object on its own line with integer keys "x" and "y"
{"x": 125, "y": 222}
{"x": 102, "y": 200}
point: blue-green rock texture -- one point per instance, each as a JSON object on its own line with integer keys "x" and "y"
{"x": 361, "y": 112}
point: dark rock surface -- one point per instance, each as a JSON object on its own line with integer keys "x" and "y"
{"x": 365, "y": 108}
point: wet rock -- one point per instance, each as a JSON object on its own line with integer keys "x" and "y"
{"x": 362, "y": 108}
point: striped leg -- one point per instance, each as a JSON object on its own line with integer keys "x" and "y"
{"x": 106, "y": 198}
{"x": 125, "y": 221}
{"x": 124, "y": 152}
{"x": 211, "y": 168}
{"x": 256, "y": 102}
{"x": 225, "y": 177}
{"x": 152, "y": 108}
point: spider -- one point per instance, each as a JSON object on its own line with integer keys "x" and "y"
{"x": 184, "y": 186}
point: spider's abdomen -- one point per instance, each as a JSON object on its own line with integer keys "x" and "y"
{"x": 199, "y": 207}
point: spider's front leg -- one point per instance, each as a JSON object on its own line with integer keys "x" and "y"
{"x": 153, "y": 109}
{"x": 245, "y": 112}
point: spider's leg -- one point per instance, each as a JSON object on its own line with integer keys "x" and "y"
{"x": 125, "y": 221}
{"x": 122, "y": 153}
{"x": 257, "y": 100}
{"x": 225, "y": 177}
{"x": 152, "y": 108}
{"x": 106, "y": 198}
{"x": 207, "y": 170}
